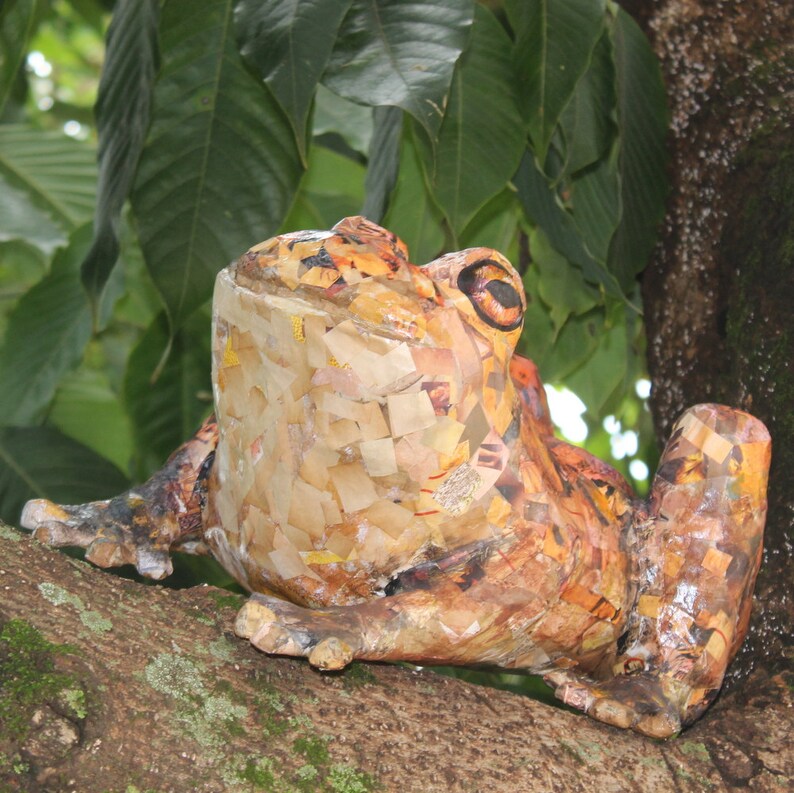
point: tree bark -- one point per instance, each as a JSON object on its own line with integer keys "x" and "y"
{"x": 149, "y": 690}
{"x": 719, "y": 293}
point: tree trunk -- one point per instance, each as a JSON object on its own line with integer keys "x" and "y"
{"x": 719, "y": 294}
{"x": 110, "y": 685}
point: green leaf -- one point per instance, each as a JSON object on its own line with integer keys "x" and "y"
{"x": 481, "y": 138}
{"x": 220, "y": 166}
{"x": 122, "y": 116}
{"x": 384, "y": 161}
{"x": 585, "y": 121}
{"x": 401, "y": 53}
{"x": 543, "y": 208}
{"x": 412, "y": 215}
{"x": 22, "y": 220}
{"x": 495, "y": 226}
{"x": 168, "y": 402}
{"x": 41, "y": 462}
{"x": 556, "y": 353}
{"x": 553, "y": 43}
{"x": 642, "y": 123}
{"x": 331, "y": 188}
{"x": 54, "y": 175}
{"x": 559, "y": 285}
{"x": 594, "y": 198}
{"x": 46, "y": 335}
{"x": 289, "y": 42}
{"x": 88, "y": 410}
{"x": 352, "y": 122}
{"x": 17, "y": 18}
{"x": 606, "y": 367}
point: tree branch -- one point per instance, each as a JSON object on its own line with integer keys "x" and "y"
{"x": 172, "y": 701}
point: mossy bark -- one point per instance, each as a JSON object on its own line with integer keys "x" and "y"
{"x": 148, "y": 690}
{"x": 720, "y": 290}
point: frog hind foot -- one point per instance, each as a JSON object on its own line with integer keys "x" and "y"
{"x": 141, "y": 526}
{"x": 637, "y": 703}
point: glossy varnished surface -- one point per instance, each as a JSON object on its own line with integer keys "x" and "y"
{"x": 385, "y": 465}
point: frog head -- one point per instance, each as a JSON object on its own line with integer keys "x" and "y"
{"x": 467, "y": 305}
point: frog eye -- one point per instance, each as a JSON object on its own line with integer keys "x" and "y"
{"x": 490, "y": 289}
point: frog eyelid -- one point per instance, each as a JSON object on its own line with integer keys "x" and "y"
{"x": 500, "y": 292}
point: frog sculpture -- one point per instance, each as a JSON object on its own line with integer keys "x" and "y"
{"x": 383, "y": 477}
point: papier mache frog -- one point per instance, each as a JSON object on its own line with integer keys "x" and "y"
{"x": 381, "y": 473}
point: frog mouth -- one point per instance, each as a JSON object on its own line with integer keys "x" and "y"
{"x": 336, "y": 307}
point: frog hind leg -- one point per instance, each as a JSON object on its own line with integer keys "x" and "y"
{"x": 701, "y": 548}
{"x": 144, "y": 524}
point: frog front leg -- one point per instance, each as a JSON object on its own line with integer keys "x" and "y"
{"x": 438, "y": 625}
{"x": 697, "y": 558}
{"x": 144, "y": 524}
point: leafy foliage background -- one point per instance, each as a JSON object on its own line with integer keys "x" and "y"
{"x": 532, "y": 126}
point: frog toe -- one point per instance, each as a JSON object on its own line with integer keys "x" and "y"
{"x": 254, "y": 614}
{"x": 115, "y": 551}
{"x": 275, "y": 639}
{"x": 331, "y": 653}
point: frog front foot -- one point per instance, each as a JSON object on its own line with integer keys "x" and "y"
{"x": 139, "y": 527}
{"x": 114, "y": 533}
{"x": 439, "y": 625}
{"x": 329, "y": 638}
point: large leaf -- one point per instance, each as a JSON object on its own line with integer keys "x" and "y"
{"x": 122, "y": 115}
{"x": 495, "y": 226}
{"x": 17, "y": 19}
{"x": 559, "y": 286}
{"x": 220, "y": 165}
{"x": 642, "y": 122}
{"x": 331, "y": 188}
{"x": 605, "y": 370}
{"x": 543, "y": 207}
{"x": 46, "y": 335}
{"x": 401, "y": 53}
{"x": 585, "y": 122}
{"x": 412, "y": 215}
{"x": 168, "y": 401}
{"x": 594, "y": 198}
{"x": 481, "y": 138}
{"x": 557, "y": 352}
{"x": 553, "y": 43}
{"x": 289, "y": 42}
{"x": 88, "y": 410}
{"x": 384, "y": 161}
{"x": 41, "y": 462}
{"x": 21, "y": 266}
{"x": 22, "y": 220}
{"x": 52, "y": 174}
{"x": 334, "y": 114}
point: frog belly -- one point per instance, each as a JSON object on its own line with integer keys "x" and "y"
{"x": 323, "y": 485}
